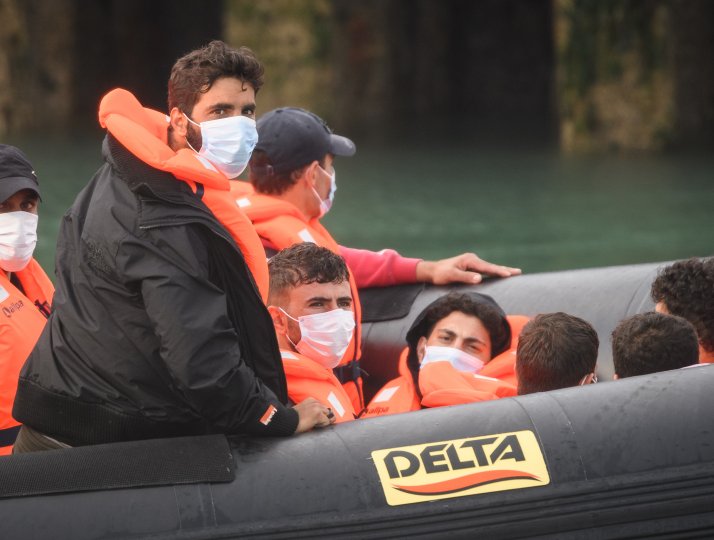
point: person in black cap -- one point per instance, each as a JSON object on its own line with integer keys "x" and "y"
{"x": 293, "y": 162}
{"x": 448, "y": 346}
{"x": 293, "y": 174}
{"x": 25, "y": 290}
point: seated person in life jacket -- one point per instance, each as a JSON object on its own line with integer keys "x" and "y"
{"x": 556, "y": 350}
{"x": 451, "y": 345}
{"x": 25, "y": 290}
{"x": 310, "y": 302}
{"x": 653, "y": 342}
{"x": 292, "y": 172}
{"x": 686, "y": 289}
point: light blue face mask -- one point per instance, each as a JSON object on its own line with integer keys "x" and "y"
{"x": 227, "y": 143}
{"x": 326, "y": 204}
{"x": 460, "y": 360}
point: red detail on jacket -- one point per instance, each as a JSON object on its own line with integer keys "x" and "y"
{"x": 379, "y": 268}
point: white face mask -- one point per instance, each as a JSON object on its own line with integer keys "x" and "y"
{"x": 460, "y": 360}
{"x": 326, "y": 204}
{"x": 325, "y": 336}
{"x": 18, "y": 238}
{"x": 227, "y": 143}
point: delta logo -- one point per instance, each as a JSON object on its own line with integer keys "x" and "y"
{"x": 460, "y": 468}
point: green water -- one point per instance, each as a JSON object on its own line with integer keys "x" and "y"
{"x": 535, "y": 210}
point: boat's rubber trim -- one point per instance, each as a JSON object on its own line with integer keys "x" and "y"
{"x": 661, "y": 504}
{"x": 388, "y": 303}
{"x": 156, "y": 462}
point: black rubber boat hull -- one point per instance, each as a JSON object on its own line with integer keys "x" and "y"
{"x": 632, "y": 458}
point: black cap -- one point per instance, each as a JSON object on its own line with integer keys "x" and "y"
{"x": 292, "y": 138}
{"x": 16, "y": 173}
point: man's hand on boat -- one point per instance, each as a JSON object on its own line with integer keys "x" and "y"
{"x": 464, "y": 268}
{"x": 313, "y": 414}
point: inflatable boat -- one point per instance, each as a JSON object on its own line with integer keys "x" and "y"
{"x": 631, "y": 458}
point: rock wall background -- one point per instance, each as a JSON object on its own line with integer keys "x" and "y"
{"x": 584, "y": 75}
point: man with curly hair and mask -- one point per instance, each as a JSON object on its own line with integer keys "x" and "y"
{"x": 686, "y": 289}
{"x": 311, "y": 304}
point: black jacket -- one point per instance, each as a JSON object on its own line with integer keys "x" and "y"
{"x": 157, "y": 327}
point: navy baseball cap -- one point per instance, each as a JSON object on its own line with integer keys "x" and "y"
{"x": 16, "y": 173}
{"x": 292, "y": 137}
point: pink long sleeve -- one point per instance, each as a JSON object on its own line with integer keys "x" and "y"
{"x": 379, "y": 268}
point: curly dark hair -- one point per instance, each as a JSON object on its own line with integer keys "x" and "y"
{"x": 194, "y": 73}
{"x": 301, "y": 264}
{"x": 686, "y": 288}
{"x": 481, "y": 306}
{"x": 555, "y": 350}
{"x": 653, "y": 342}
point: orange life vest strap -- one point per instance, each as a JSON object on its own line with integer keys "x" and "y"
{"x": 306, "y": 379}
{"x": 442, "y": 385}
{"x": 37, "y": 286}
{"x": 397, "y": 396}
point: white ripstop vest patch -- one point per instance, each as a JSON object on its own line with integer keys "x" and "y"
{"x": 386, "y": 394}
{"x": 306, "y": 236}
{"x": 336, "y": 405}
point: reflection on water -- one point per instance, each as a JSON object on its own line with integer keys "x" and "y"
{"x": 538, "y": 211}
{"x": 535, "y": 210}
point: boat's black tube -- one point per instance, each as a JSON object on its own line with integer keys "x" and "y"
{"x": 626, "y": 458}
{"x": 631, "y": 458}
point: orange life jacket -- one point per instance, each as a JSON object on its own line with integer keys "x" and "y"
{"x": 306, "y": 378}
{"x": 503, "y": 366}
{"x": 144, "y": 132}
{"x": 441, "y": 386}
{"x": 397, "y": 396}
{"x": 240, "y": 189}
{"x": 22, "y": 318}
{"x": 282, "y": 224}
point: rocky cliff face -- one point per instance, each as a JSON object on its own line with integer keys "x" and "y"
{"x": 635, "y": 75}
{"x": 36, "y": 64}
{"x": 58, "y": 58}
{"x": 622, "y": 75}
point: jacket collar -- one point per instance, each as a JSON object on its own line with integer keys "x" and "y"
{"x": 162, "y": 200}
